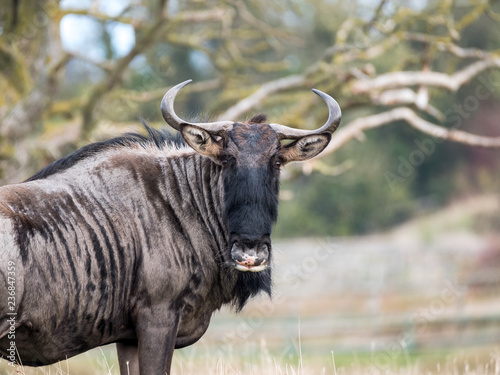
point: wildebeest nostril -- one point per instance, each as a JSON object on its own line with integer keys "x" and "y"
{"x": 263, "y": 251}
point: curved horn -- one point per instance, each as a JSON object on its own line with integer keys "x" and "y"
{"x": 334, "y": 117}
{"x": 167, "y": 110}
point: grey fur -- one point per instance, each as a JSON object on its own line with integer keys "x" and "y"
{"x": 138, "y": 240}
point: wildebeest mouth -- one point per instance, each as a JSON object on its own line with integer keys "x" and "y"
{"x": 243, "y": 268}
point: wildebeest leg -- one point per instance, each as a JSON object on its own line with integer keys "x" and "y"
{"x": 128, "y": 357}
{"x": 157, "y": 333}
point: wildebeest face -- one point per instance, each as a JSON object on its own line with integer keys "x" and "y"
{"x": 251, "y": 156}
{"x": 251, "y": 185}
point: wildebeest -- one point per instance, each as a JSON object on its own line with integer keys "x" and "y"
{"x": 139, "y": 239}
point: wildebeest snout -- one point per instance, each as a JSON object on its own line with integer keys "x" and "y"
{"x": 251, "y": 255}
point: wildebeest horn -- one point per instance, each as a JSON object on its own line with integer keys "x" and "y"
{"x": 284, "y": 132}
{"x": 334, "y": 117}
{"x": 167, "y": 110}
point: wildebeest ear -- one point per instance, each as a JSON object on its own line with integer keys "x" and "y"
{"x": 306, "y": 147}
{"x": 201, "y": 140}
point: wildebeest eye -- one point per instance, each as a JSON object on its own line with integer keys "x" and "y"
{"x": 277, "y": 164}
{"x": 225, "y": 160}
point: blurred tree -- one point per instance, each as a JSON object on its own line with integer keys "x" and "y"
{"x": 432, "y": 67}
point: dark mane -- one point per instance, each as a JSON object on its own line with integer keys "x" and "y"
{"x": 158, "y": 138}
{"x": 258, "y": 119}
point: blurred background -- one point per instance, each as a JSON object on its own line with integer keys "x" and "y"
{"x": 387, "y": 248}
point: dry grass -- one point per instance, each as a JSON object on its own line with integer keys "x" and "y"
{"x": 471, "y": 361}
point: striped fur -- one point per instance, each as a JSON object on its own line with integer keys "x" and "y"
{"x": 139, "y": 239}
{"x": 123, "y": 241}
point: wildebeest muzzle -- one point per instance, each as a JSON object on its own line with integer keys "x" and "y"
{"x": 250, "y": 254}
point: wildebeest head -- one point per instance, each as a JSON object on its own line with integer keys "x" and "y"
{"x": 251, "y": 155}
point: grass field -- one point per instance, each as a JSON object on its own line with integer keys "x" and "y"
{"x": 467, "y": 361}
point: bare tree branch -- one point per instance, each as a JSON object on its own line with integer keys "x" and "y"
{"x": 446, "y": 44}
{"x": 103, "y": 17}
{"x": 407, "y": 96}
{"x": 468, "y": 18}
{"x": 244, "y": 105}
{"x": 403, "y": 79}
{"x": 148, "y": 37}
{"x": 238, "y": 50}
{"x": 18, "y": 121}
{"x": 376, "y": 16}
{"x": 116, "y": 75}
{"x": 105, "y": 65}
{"x": 265, "y": 27}
{"x": 355, "y": 129}
{"x": 147, "y": 96}
{"x": 215, "y": 14}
